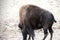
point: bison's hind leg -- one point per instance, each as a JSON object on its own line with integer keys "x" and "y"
{"x": 51, "y": 32}
{"x": 45, "y": 33}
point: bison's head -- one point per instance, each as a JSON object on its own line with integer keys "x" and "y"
{"x": 20, "y": 26}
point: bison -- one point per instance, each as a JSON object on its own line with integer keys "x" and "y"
{"x": 32, "y": 18}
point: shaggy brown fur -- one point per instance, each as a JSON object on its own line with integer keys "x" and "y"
{"x": 31, "y": 17}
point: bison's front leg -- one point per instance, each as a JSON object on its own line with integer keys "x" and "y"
{"x": 29, "y": 38}
{"x": 24, "y": 33}
{"x": 31, "y": 34}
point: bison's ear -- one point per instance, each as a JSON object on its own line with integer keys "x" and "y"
{"x": 19, "y": 26}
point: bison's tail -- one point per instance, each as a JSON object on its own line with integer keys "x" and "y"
{"x": 55, "y": 21}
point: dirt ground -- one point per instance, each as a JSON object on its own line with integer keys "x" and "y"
{"x": 9, "y": 18}
{"x": 16, "y": 35}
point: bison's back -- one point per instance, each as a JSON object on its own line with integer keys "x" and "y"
{"x": 31, "y": 13}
